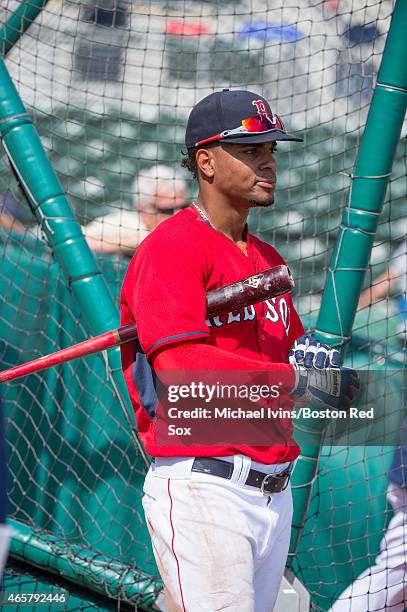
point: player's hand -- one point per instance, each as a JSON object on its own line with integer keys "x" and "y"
{"x": 308, "y": 352}
{"x": 333, "y": 387}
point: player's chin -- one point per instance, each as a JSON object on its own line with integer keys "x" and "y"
{"x": 261, "y": 197}
{"x": 262, "y": 202}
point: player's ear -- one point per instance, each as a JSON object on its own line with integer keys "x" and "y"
{"x": 205, "y": 162}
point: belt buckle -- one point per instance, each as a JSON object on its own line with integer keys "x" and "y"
{"x": 272, "y": 477}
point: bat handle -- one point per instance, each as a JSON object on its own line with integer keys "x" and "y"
{"x": 126, "y": 333}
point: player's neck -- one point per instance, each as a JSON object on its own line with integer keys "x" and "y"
{"x": 226, "y": 219}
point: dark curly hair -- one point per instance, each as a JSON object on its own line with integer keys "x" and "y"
{"x": 189, "y": 162}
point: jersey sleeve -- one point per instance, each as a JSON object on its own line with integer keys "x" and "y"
{"x": 165, "y": 290}
{"x": 184, "y": 356}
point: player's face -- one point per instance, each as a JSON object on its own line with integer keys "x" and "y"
{"x": 246, "y": 172}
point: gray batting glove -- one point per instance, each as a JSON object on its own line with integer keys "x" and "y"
{"x": 308, "y": 352}
{"x": 333, "y": 387}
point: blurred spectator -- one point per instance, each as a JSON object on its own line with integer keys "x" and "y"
{"x": 395, "y": 274}
{"x": 355, "y": 66}
{"x": 158, "y": 192}
{"x": 331, "y": 5}
{"x": 394, "y": 277}
{"x": 9, "y": 213}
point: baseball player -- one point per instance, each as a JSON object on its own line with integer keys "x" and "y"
{"x": 219, "y": 516}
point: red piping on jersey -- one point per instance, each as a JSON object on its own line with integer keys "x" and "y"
{"x": 173, "y": 550}
{"x": 176, "y": 337}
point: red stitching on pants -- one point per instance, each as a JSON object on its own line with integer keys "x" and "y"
{"x": 173, "y": 550}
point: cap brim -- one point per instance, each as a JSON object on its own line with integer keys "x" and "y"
{"x": 271, "y": 136}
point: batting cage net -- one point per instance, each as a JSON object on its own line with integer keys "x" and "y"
{"x": 108, "y": 85}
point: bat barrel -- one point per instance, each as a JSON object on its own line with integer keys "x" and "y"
{"x": 261, "y": 286}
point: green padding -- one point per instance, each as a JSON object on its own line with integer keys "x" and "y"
{"x": 76, "y": 466}
{"x": 17, "y": 24}
{"x": 21, "y": 579}
{"x": 108, "y": 576}
{"x": 346, "y": 519}
{"x": 78, "y": 474}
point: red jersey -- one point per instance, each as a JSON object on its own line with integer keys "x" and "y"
{"x": 164, "y": 292}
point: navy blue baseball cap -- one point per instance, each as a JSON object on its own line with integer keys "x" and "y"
{"x": 240, "y": 117}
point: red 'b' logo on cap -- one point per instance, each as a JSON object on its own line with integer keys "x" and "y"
{"x": 262, "y": 110}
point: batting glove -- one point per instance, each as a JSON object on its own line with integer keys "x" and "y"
{"x": 308, "y": 352}
{"x": 333, "y": 387}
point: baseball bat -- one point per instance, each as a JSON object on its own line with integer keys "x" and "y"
{"x": 256, "y": 288}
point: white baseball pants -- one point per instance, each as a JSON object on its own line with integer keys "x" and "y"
{"x": 219, "y": 544}
{"x": 384, "y": 585}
